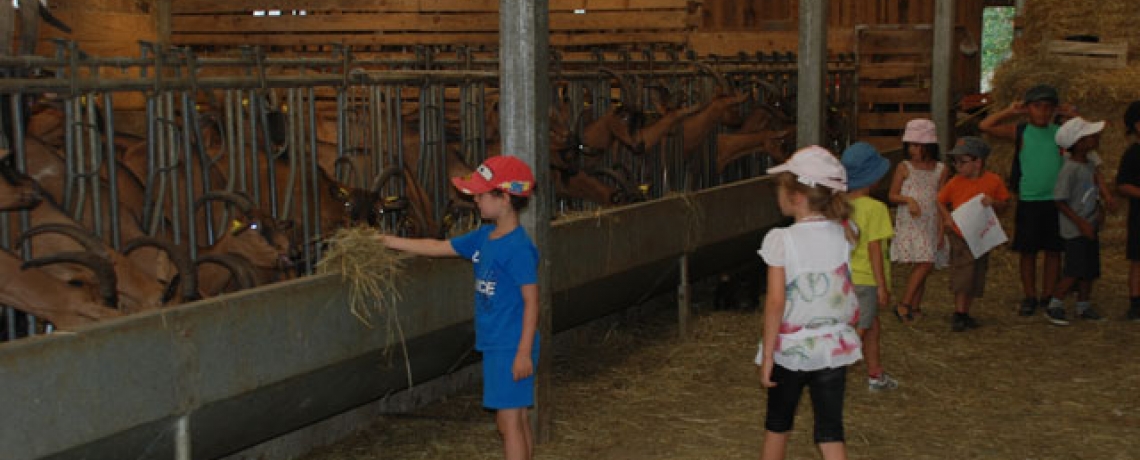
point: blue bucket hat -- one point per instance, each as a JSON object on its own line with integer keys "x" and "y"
{"x": 864, "y": 165}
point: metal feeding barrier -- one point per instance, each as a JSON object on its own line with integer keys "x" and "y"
{"x": 198, "y": 150}
{"x": 148, "y": 144}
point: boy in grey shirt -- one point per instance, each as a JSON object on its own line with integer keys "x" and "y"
{"x": 1077, "y": 194}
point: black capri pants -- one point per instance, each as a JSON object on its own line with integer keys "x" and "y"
{"x": 826, "y": 386}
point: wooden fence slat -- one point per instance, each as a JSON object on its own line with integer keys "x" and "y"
{"x": 418, "y": 38}
{"x": 727, "y": 43}
{"x": 388, "y": 22}
{"x": 896, "y": 42}
{"x": 410, "y": 6}
{"x": 894, "y": 71}
{"x": 889, "y": 120}
{"x": 895, "y": 95}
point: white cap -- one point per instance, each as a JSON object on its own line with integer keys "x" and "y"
{"x": 1076, "y": 128}
{"x": 814, "y": 165}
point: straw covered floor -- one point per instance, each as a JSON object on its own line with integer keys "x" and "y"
{"x": 628, "y": 388}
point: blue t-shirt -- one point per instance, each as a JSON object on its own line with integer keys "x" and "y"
{"x": 502, "y": 267}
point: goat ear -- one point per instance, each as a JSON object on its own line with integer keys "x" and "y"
{"x": 338, "y": 192}
{"x": 237, "y": 226}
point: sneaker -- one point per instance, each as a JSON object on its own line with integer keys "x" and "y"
{"x": 1028, "y": 307}
{"x": 1087, "y": 313}
{"x": 884, "y": 382}
{"x": 1056, "y": 315}
{"x": 971, "y": 323}
{"x": 958, "y": 323}
{"x": 1134, "y": 313}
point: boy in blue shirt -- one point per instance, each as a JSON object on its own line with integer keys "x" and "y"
{"x": 506, "y": 292}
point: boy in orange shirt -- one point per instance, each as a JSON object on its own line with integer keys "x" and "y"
{"x": 968, "y": 277}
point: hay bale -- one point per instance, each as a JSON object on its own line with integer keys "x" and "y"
{"x": 1098, "y": 94}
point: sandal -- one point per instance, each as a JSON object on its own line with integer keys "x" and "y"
{"x": 916, "y": 313}
{"x": 904, "y": 313}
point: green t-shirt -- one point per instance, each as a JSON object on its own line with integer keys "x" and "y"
{"x": 872, "y": 219}
{"x": 1041, "y": 160}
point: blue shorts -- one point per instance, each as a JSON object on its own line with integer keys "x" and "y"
{"x": 500, "y": 390}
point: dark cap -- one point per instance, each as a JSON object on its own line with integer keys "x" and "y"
{"x": 972, "y": 146}
{"x": 1042, "y": 93}
{"x": 1131, "y": 116}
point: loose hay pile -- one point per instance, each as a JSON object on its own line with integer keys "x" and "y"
{"x": 371, "y": 272}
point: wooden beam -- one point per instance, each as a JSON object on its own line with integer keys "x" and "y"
{"x": 373, "y": 22}
{"x": 894, "y": 95}
{"x": 412, "y": 6}
{"x": 419, "y": 38}
{"x": 894, "y": 71}
{"x": 890, "y": 120}
{"x": 726, "y": 43}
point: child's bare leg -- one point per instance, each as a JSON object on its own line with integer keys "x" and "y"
{"x": 833, "y": 450}
{"x": 1028, "y": 265}
{"x": 1052, "y": 272}
{"x": 1134, "y": 279}
{"x": 962, "y": 302}
{"x": 870, "y": 337}
{"x": 513, "y": 430}
{"x": 1084, "y": 290}
{"x": 1063, "y": 287}
{"x": 775, "y": 446}
{"x": 916, "y": 284}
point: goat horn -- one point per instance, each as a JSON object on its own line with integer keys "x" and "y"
{"x": 90, "y": 242}
{"x": 238, "y": 266}
{"x": 189, "y": 279}
{"x": 623, "y": 182}
{"x": 628, "y": 97}
{"x": 245, "y": 205}
{"x": 384, "y": 177}
{"x": 104, "y": 271}
{"x": 720, "y": 79}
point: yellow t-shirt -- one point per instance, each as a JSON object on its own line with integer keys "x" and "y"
{"x": 872, "y": 221}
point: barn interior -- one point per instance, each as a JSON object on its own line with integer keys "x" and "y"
{"x": 208, "y": 150}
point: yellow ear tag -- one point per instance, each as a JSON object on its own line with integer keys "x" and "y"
{"x": 235, "y": 225}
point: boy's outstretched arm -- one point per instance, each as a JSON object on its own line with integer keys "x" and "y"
{"x": 524, "y": 366}
{"x": 997, "y": 124}
{"x": 429, "y": 247}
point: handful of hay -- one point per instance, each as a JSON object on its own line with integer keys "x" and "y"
{"x": 369, "y": 268}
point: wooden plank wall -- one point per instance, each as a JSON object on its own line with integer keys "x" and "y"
{"x": 101, "y": 27}
{"x": 422, "y": 22}
{"x": 731, "y": 26}
{"x": 894, "y": 81}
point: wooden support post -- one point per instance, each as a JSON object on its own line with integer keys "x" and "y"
{"x": 524, "y": 108}
{"x": 162, "y": 18}
{"x": 811, "y": 95}
{"x": 941, "y": 107}
{"x": 684, "y": 298}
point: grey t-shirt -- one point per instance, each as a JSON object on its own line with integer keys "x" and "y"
{"x": 1076, "y": 186}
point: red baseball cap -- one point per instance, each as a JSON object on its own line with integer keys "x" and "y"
{"x": 502, "y": 172}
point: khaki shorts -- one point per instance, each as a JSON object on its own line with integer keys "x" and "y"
{"x": 967, "y": 274}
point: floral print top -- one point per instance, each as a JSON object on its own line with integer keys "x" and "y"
{"x": 820, "y": 310}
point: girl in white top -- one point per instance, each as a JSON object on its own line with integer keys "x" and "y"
{"x": 811, "y": 309}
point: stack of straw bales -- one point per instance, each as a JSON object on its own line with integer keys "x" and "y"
{"x": 1099, "y": 94}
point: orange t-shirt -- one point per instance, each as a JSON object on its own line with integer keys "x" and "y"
{"x": 960, "y": 189}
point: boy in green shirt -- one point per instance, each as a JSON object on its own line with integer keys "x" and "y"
{"x": 870, "y": 265}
